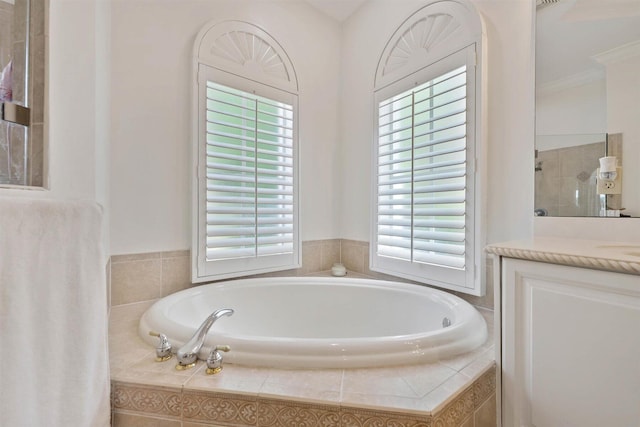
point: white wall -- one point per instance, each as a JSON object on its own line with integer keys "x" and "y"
{"x": 151, "y": 83}
{"x": 150, "y": 46}
{"x": 510, "y": 112}
{"x": 574, "y": 110}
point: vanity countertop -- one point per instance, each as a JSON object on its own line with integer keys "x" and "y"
{"x": 621, "y": 257}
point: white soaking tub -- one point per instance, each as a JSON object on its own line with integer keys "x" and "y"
{"x": 320, "y": 322}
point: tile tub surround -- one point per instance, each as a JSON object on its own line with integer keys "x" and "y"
{"x": 459, "y": 391}
{"x": 143, "y": 277}
{"x": 146, "y": 276}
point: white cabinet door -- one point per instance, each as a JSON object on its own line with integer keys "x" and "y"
{"x": 570, "y": 346}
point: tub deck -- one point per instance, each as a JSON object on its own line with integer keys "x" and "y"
{"x": 460, "y": 390}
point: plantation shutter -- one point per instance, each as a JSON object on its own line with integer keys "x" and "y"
{"x": 423, "y": 178}
{"x": 249, "y": 181}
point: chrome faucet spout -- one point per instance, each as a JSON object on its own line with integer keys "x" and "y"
{"x": 187, "y": 355}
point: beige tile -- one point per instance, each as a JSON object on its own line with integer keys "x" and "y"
{"x": 456, "y": 410}
{"x": 37, "y": 78}
{"x": 311, "y": 258}
{"x": 128, "y": 347}
{"x": 190, "y": 424}
{"x": 17, "y": 152}
{"x": 222, "y": 408}
{"x": 157, "y": 401}
{"x": 484, "y": 387}
{"x": 121, "y": 361}
{"x": 546, "y": 181}
{"x": 615, "y": 145}
{"x": 37, "y": 17}
{"x": 448, "y": 392}
{"x": 149, "y": 372}
{"x": 20, "y": 13}
{"x": 405, "y": 388}
{"x": 330, "y": 254}
{"x": 355, "y": 275}
{"x": 36, "y": 155}
{"x": 272, "y": 412}
{"x": 128, "y": 312}
{"x": 468, "y": 423}
{"x": 353, "y": 256}
{"x": 351, "y": 417}
{"x": 376, "y": 382}
{"x": 423, "y": 379}
{"x": 125, "y": 346}
{"x": 233, "y": 379}
{"x": 135, "y": 257}
{"x": 312, "y": 386}
{"x": 367, "y": 253}
{"x": 129, "y": 420}
{"x": 108, "y": 282}
{"x": 127, "y": 332}
{"x": 400, "y": 404}
{"x": 3, "y": 148}
{"x": 176, "y": 274}
{"x": 135, "y": 280}
{"x": 177, "y": 254}
{"x": 128, "y": 338}
{"x": 486, "y": 415}
{"x": 18, "y": 73}
{"x": 393, "y": 389}
{"x": 459, "y": 362}
{"x": 570, "y": 160}
{"x": 480, "y": 365}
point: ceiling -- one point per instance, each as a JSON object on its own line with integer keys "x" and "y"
{"x": 339, "y": 10}
{"x": 571, "y": 33}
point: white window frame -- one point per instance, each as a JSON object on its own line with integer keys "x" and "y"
{"x": 464, "y": 51}
{"x": 208, "y": 67}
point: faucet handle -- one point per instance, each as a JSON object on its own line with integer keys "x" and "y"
{"x": 163, "y": 350}
{"x": 214, "y": 361}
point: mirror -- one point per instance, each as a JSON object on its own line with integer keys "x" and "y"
{"x": 587, "y": 108}
{"x": 22, "y": 93}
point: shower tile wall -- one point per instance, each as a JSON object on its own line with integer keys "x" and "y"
{"x": 565, "y": 180}
{"x": 143, "y": 277}
{"x": 6, "y": 32}
{"x": 614, "y": 148}
{"x": 37, "y": 58}
{"x": 21, "y": 148}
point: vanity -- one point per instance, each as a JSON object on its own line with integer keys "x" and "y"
{"x": 570, "y": 320}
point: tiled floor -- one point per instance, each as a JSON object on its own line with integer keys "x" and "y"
{"x": 417, "y": 390}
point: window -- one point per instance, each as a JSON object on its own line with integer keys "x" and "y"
{"x": 425, "y": 220}
{"x": 246, "y": 189}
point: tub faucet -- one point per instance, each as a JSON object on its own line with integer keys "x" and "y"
{"x": 187, "y": 355}
{"x": 163, "y": 350}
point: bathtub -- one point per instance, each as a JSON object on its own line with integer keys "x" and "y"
{"x": 320, "y": 322}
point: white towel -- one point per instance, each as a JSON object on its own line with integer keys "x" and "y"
{"x": 53, "y": 315}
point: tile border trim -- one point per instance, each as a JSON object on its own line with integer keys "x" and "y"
{"x": 231, "y": 409}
